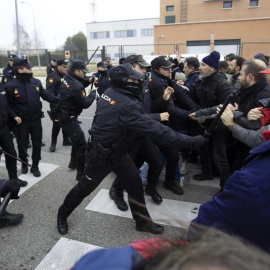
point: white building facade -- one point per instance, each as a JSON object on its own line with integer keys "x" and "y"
{"x": 121, "y": 38}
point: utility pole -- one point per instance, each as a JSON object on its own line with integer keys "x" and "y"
{"x": 93, "y": 10}
{"x": 35, "y": 30}
{"x": 17, "y": 31}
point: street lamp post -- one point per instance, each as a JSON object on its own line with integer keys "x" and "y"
{"x": 17, "y": 30}
{"x": 35, "y": 30}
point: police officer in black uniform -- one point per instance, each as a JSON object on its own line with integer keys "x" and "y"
{"x": 102, "y": 79}
{"x": 6, "y": 141}
{"x": 8, "y": 72}
{"x": 51, "y": 67}
{"x": 53, "y": 85}
{"x": 23, "y": 94}
{"x": 118, "y": 120}
{"x": 73, "y": 100}
{"x": 7, "y": 218}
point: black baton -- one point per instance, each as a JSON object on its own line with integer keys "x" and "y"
{"x": 213, "y": 124}
{"x": 16, "y": 158}
{"x": 5, "y": 203}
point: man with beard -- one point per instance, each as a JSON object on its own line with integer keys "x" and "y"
{"x": 118, "y": 120}
{"x": 23, "y": 94}
{"x": 254, "y": 92}
{"x": 73, "y": 100}
{"x": 235, "y": 63}
{"x": 53, "y": 85}
{"x": 213, "y": 89}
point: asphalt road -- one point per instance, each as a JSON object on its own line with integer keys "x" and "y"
{"x": 25, "y": 246}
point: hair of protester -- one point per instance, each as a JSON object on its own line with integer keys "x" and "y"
{"x": 193, "y": 62}
{"x": 211, "y": 250}
{"x": 223, "y": 64}
{"x": 253, "y": 67}
{"x": 239, "y": 60}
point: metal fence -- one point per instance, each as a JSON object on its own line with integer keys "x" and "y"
{"x": 43, "y": 56}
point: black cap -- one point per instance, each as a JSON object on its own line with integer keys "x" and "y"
{"x": 161, "y": 61}
{"x": 62, "y": 62}
{"x": 101, "y": 64}
{"x": 18, "y": 62}
{"x": 80, "y": 65}
{"x": 54, "y": 60}
{"x": 138, "y": 59}
{"x": 11, "y": 56}
{"x": 125, "y": 70}
{"x": 107, "y": 58}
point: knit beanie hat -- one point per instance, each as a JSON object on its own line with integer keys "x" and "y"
{"x": 212, "y": 60}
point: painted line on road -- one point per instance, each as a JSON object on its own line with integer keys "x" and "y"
{"x": 64, "y": 254}
{"x": 169, "y": 212}
{"x": 45, "y": 169}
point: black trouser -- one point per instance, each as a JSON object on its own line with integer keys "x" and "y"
{"x": 34, "y": 129}
{"x": 95, "y": 172}
{"x": 76, "y": 135}
{"x": 55, "y": 131}
{"x": 172, "y": 157}
{"x": 216, "y": 151}
{"x": 143, "y": 150}
{"x": 6, "y": 142}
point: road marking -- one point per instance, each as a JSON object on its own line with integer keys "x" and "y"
{"x": 45, "y": 169}
{"x": 169, "y": 212}
{"x": 64, "y": 254}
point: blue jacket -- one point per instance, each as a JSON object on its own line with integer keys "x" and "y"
{"x": 2, "y": 183}
{"x": 125, "y": 258}
{"x": 243, "y": 208}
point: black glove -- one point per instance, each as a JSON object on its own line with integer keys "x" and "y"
{"x": 12, "y": 186}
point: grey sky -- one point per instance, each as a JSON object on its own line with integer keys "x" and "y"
{"x": 58, "y": 19}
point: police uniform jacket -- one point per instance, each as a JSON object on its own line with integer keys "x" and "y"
{"x": 53, "y": 84}
{"x": 50, "y": 69}
{"x": 120, "y": 117}
{"x": 73, "y": 97}
{"x": 179, "y": 105}
{"x": 103, "y": 81}
{"x": 9, "y": 74}
{"x": 24, "y": 98}
{"x": 212, "y": 90}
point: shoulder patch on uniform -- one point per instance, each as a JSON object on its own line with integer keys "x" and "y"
{"x": 5, "y": 80}
{"x": 51, "y": 80}
{"x": 37, "y": 88}
{"x": 16, "y": 91}
{"x": 264, "y": 102}
{"x": 83, "y": 93}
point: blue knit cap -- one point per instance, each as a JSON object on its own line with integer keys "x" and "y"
{"x": 212, "y": 60}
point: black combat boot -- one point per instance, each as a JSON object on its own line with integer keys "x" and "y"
{"x": 62, "y": 225}
{"x": 13, "y": 176}
{"x": 53, "y": 146}
{"x": 118, "y": 197}
{"x": 24, "y": 167}
{"x": 35, "y": 170}
{"x": 150, "y": 226}
{"x": 10, "y": 219}
{"x": 151, "y": 190}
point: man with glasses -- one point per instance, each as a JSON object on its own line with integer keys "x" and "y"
{"x": 53, "y": 85}
{"x": 73, "y": 99}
